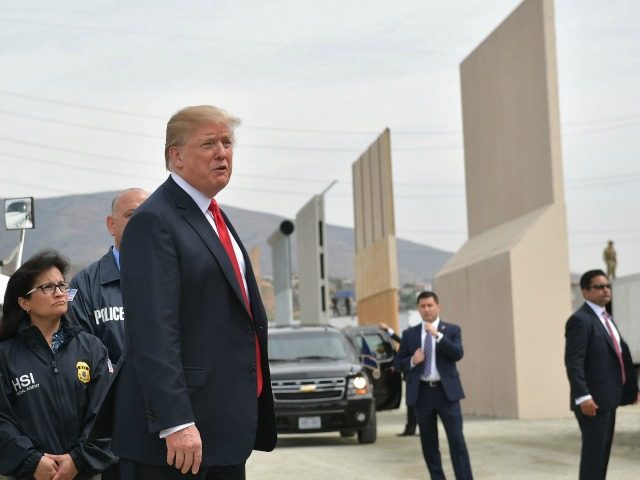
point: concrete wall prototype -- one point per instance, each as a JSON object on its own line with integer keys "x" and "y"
{"x": 508, "y": 286}
{"x": 280, "y": 242}
{"x": 376, "y": 256}
{"x": 254, "y": 257}
{"x": 313, "y": 281}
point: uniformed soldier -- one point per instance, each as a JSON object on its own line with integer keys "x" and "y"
{"x": 610, "y": 259}
{"x": 97, "y": 305}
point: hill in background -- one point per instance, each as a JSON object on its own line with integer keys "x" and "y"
{"x": 75, "y": 225}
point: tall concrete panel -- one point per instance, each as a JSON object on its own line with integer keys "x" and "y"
{"x": 313, "y": 281}
{"x": 508, "y": 286}
{"x": 254, "y": 258}
{"x": 376, "y": 256}
{"x": 280, "y": 242}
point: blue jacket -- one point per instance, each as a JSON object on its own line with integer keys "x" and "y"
{"x": 97, "y": 305}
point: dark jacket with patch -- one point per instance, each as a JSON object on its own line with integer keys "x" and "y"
{"x": 48, "y": 401}
{"x": 97, "y": 305}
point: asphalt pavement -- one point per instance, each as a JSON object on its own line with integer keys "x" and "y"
{"x": 499, "y": 449}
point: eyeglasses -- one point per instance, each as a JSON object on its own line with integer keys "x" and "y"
{"x": 601, "y": 286}
{"x": 49, "y": 288}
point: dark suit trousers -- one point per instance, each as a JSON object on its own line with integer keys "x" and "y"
{"x": 433, "y": 403}
{"x": 130, "y": 470}
{"x": 597, "y": 437}
{"x": 410, "y": 427}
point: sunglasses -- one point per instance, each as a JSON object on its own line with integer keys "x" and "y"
{"x": 601, "y": 286}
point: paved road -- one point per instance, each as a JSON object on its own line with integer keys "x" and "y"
{"x": 500, "y": 450}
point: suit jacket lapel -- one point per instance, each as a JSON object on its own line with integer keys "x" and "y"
{"x": 442, "y": 327}
{"x": 418, "y": 335}
{"x": 194, "y": 217}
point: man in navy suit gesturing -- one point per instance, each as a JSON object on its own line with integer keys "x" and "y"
{"x": 428, "y": 354}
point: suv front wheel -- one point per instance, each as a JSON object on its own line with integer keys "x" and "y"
{"x": 370, "y": 432}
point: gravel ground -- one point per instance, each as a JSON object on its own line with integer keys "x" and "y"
{"x": 499, "y": 449}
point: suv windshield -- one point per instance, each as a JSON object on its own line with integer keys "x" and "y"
{"x": 301, "y": 346}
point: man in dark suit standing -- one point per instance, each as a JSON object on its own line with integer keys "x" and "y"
{"x": 428, "y": 354}
{"x": 193, "y": 397}
{"x": 600, "y": 373}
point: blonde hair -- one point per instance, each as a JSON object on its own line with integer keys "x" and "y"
{"x": 185, "y": 121}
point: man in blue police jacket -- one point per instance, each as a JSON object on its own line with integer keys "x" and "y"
{"x": 97, "y": 305}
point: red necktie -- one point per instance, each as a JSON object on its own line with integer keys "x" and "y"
{"x": 225, "y": 239}
{"x": 616, "y": 345}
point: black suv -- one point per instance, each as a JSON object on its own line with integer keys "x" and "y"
{"x": 325, "y": 379}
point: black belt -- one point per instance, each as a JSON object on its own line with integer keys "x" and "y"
{"x": 431, "y": 383}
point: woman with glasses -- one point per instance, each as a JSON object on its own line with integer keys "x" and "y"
{"x": 53, "y": 377}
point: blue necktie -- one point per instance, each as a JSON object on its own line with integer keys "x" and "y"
{"x": 427, "y": 349}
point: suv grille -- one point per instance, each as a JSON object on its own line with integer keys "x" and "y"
{"x": 308, "y": 390}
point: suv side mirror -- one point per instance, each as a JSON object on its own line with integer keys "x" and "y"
{"x": 18, "y": 213}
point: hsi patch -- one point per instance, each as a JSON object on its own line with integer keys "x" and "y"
{"x": 84, "y": 372}
{"x": 24, "y": 383}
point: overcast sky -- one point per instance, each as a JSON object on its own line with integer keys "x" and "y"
{"x": 86, "y": 89}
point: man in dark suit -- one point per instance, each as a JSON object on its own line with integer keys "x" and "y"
{"x": 428, "y": 354}
{"x": 193, "y": 397}
{"x": 600, "y": 373}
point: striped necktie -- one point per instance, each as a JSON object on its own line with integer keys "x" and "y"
{"x": 427, "y": 349}
{"x": 616, "y": 345}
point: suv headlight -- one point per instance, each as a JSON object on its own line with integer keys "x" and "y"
{"x": 358, "y": 385}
